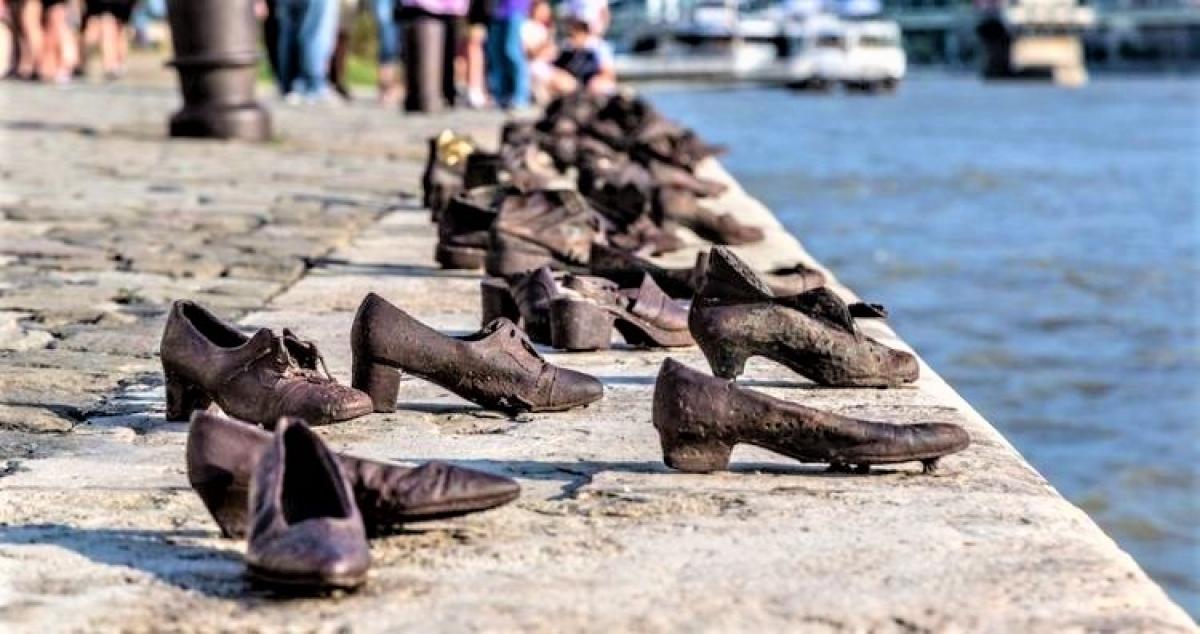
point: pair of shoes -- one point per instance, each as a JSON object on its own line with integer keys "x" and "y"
{"x": 627, "y": 268}
{"x": 305, "y": 511}
{"x": 496, "y": 367}
{"x": 700, "y": 419}
{"x": 735, "y": 316}
{"x": 222, "y": 454}
{"x": 267, "y": 376}
{"x": 575, "y": 312}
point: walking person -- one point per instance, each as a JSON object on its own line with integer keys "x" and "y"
{"x": 430, "y": 41}
{"x": 507, "y": 66}
{"x": 305, "y": 43}
{"x": 388, "y": 78}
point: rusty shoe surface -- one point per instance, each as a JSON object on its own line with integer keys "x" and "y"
{"x": 584, "y": 314}
{"x": 700, "y": 418}
{"x": 549, "y": 227}
{"x": 305, "y": 528}
{"x": 222, "y": 453}
{"x": 496, "y": 368}
{"x": 735, "y": 317}
{"x": 258, "y": 378}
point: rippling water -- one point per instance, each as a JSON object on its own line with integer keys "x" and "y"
{"x": 1040, "y": 247}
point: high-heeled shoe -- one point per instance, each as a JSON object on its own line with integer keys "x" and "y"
{"x": 700, "y": 418}
{"x": 258, "y": 378}
{"x": 496, "y": 367}
{"x": 583, "y": 316}
{"x": 735, "y": 317}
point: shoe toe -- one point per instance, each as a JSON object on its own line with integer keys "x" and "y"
{"x": 945, "y": 438}
{"x": 574, "y": 389}
{"x": 351, "y": 403}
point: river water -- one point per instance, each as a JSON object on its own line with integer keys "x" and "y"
{"x": 1040, "y": 247}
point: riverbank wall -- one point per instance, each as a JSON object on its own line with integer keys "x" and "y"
{"x": 100, "y": 531}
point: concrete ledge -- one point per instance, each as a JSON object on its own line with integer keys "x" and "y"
{"x": 107, "y": 536}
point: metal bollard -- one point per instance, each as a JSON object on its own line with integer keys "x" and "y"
{"x": 216, "y": 56}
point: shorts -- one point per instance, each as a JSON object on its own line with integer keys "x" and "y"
{"x": 122, "y": 10}
{"x": 479, "y": 12}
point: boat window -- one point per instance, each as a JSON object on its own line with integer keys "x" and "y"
{"x": 829, "y": 40}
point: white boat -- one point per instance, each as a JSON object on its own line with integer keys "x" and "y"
{"x": 799, "y": 43}
{"x": 860, "y": 54}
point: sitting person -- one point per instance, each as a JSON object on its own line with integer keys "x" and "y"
{"x": 585, "y": 61}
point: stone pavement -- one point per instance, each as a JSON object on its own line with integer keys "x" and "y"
{"x": 99, "y": 530}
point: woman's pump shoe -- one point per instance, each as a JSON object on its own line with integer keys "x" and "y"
{"x": 258, "y": 378}
{"x": 735, "y": 317}
{"x": 496, "y": 367}
{"x": 222, "y": 453}
{"x": 584, "y": 314}
{"x": 305, "y": 528}
{"x": 700, "y": 418}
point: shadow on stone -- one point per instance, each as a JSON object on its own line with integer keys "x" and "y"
{"x": 345, "y": 266}
{"x": 166, "y": 555}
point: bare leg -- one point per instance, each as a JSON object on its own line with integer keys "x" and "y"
{"x": 473, "y": 54}
{"x": 109, "y": 54}
{"x": 31, "y": 40}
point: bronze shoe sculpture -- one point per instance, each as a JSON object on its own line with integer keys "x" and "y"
{"x": 789, "y": 280}
{"x": 305, "y": 529}
{"x": 463, "y": 227}
{"x": 735, "y": 317}
{"x": 532, "y": 293}
{"x": 700, "y": 418}
{"x": 258, "y": 378}
{"x": 539, "y": 228}
{"x": 222, "y": 453}
{"x": 523, "y": 299}
{"x": 445, "y": 167}
{"x": 583, "y": 315}
{"x": 496, "y": 367}
{"x": 627, "y": 269}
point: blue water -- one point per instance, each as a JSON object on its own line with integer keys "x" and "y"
{"x": 1039, "y": 246}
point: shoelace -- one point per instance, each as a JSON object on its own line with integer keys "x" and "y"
{"x": 287, "y": 364}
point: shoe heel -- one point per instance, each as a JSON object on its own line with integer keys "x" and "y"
{"x": 725, "y": 363}
{"x": 227, "y": 505}
{"x": 183, "y": 397}
{"x": 380, "y": 382}
{"x": 459, "y": 258}
{"x": 501, "y": 262}
{"x": 497, "y": 301}
{"x": 695, "y": 455}
{"x": 579, "y": 325}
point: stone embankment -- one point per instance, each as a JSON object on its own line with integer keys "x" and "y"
{"x": 104, "y": 223}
